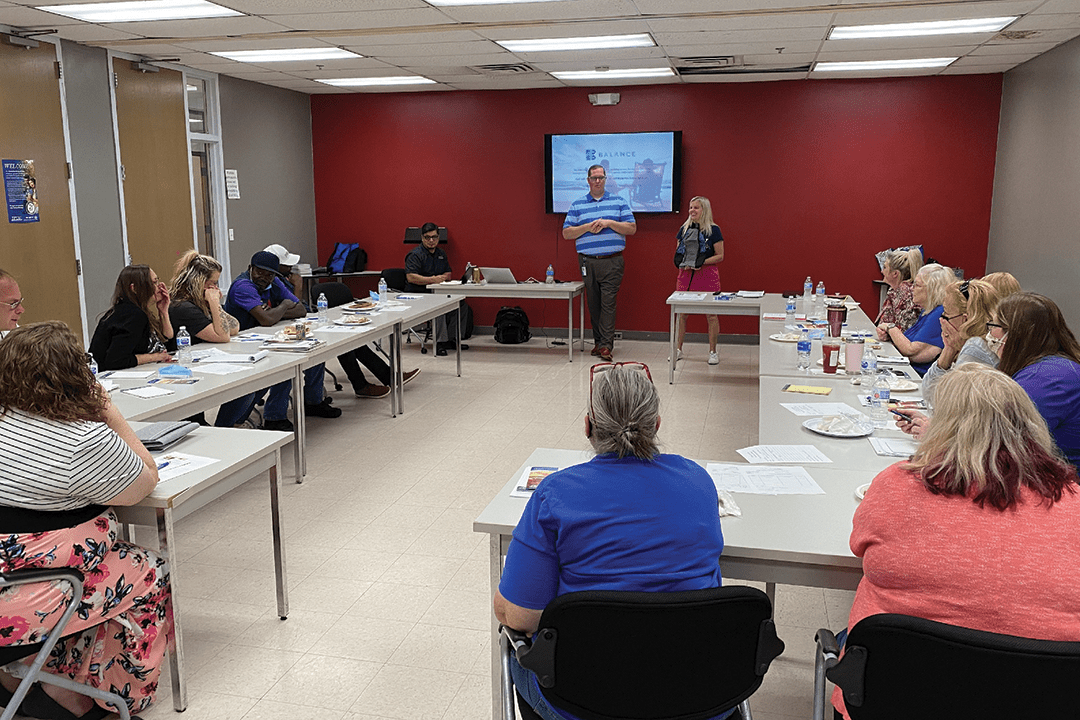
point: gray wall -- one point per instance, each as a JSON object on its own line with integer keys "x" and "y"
{"x": 1035, "y": 222}
{"x": 266, "y": 138}
{"x": 86, "y": 85}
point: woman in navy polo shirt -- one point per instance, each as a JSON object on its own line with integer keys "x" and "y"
{"x": 922, "y": 343}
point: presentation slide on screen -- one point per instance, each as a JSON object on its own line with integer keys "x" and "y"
{"x": 639, "y": 167}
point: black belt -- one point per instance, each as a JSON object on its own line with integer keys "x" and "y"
{"x": 603, "y": 257}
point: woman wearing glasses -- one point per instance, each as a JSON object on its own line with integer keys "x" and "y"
{"x": 134, "y": 330}
{"x": 966, "y": 309}
{"x": 921, "y": 343}
{"x": 66, "y": 455}
{"x": 630, "y": 519}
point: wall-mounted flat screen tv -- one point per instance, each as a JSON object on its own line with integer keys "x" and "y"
{"x": 643, "y": 167}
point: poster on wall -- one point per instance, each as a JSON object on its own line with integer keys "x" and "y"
{"x": 20, "y": 189}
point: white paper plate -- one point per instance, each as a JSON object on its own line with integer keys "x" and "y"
{"x": 860, "y": 492}
{"x": 353, "y": 320}
{"x": 861, "y": 430}
{"x": 360, "y": 306}
{"x": 785, "y": 337}
{"x": 901, "y": 385}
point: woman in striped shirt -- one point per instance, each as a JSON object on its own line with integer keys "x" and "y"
{"x": 66, "y": 455}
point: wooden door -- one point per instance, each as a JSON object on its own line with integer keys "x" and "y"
{"x": 41, "y": 255}
{"x": 152, "y": 128}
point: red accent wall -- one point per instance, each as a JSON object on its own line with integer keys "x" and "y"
{"x": 807, "y": 177}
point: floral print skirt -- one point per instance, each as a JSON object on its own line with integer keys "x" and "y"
{"x": 118, "y": 637}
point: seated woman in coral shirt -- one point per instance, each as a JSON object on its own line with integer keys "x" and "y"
{"x": 978, "y": 529}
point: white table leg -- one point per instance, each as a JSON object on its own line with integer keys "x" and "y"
{"x": 176, "y": 651}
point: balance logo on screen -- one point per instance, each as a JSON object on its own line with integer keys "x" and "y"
{"x": 590, "y": 154}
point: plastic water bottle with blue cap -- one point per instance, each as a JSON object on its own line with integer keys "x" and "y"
{"x": 183, "y": 346}
{"x": 384, "y": 292}
{"x": 804, "y": 347}
{"x": 789, "y": 314}
{"x": 550, "y": 276}
{"x": 323, "y": 308}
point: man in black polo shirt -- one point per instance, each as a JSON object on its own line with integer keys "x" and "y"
{"x": 427, "y": 264}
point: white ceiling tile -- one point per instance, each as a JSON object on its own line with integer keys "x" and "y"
{"x": 22, "y": 16}
{"x": 741, "y": 22}
{"x": 1012, "y": 48}
{"x": 286, "y": 7}
{"x": 741, "y": 49}
{"x": 614, "y": 65}
{"x": 784, "y": 58}
{"x": 742, "y": 36}
{"x": 1059, "y": 6}
{"x": 599, "y": 27}
{"x": 205, "y": 27}
{"x": 477, "y": 47}
{"x": 982, "y": 70}
{"x": 388, "y": 37}
{"x": 429, "y": 62}
{"x": 592, "y": 57}
{"x": 669, "y": 7}
{"x": 991, "y": 60}
{"x": 345, "y": 65}
{"x": 150, "y": 47}
{"x": 88, "y": 33}
{"x": 1040, "y": 21}
{"x": 363, "y": 19}
{"x": 271, "y": 43}
{"x": 579, "y": 9}
{"x": 1041, "y": 36}
{"x": 920, "y": 12}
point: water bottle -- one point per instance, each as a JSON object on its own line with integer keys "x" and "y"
{"x": 819, "y": 300}
{"x": 323, "y": 308}
{"x": 804, "y": 349}
{"x": 550, "y": 279}
{"x": 183, "y": 346}
{"x": 93, "y": 367}
{"x": 807, "y": 290}
{"x": 869, "y": 361}
{"x": 880, "y": 402}
{"x": 383, "y": 292}
{"x": 789, "y": 314}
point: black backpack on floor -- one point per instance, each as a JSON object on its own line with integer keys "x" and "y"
{"x": 511, "y": 326}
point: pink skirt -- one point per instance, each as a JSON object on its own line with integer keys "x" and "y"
{"x": 705, "y": 279}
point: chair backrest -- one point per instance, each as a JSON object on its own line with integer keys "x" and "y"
{"x": 898, "y": 666}
{"x": 336, "y": 293}
{"x": 691, "y": 655}
{"x": 395, "y": 279}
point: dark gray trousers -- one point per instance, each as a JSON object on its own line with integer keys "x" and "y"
{"x": 602, "y": 277}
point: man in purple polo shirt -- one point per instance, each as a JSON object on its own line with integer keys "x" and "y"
{"x": 599, "y": 223}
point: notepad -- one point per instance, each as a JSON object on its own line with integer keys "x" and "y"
{"x": 807, "y": 389}
{"x": 150, "y": 391}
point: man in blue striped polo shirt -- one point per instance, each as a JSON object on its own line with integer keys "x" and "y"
{"x": 599, "y": 223}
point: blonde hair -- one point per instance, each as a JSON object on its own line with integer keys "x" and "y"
{"x": 1004, "y": 283}
{"x": 987, "y": 441}
{"x": 979, "y": 305}
{"x": 624, "y": 413}
{"x": 706, "y": 221}
{"x": 190, "y": 276}
{"x": 906, "y": 262}
{"x": 937, "y": 278}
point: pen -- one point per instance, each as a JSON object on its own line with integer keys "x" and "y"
{"x": 163, "y": 465}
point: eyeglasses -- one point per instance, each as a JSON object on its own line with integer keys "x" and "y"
{"x": 949, "y": 319}
{"x": 12, "y": 305}
{"x": 597, "y": 178}
{"x": 431, "y": 237}
{"x": 601, "y": 368}
{"x": 999, "y": 326}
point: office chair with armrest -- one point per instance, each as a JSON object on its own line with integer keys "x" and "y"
{"x": 604, "y": 655}
{"x": 395, "y": 280}
{"x": 901, "y": 667}
{"x": 11, "y": 654}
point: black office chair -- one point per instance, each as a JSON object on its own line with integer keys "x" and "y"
{"x": 395, "y": 281}
{"x": 337, "y": 293}
{"x": 901, "y": 667}
{"x": 603, "y": 655}
{"x": 10, "y": 654}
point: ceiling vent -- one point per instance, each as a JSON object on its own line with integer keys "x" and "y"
{"x": 699, "y": 70}
{"x": 712, "y": 61}
{"x": 1018, "y": 34}
{"x": 504, "y": 69}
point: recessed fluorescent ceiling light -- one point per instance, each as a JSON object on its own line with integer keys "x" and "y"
{"x": 614, "y": 74}
{"x": 139, "y": 10}
{"x": 937, "y": 27}
{"x": 884, "y": 64}
{"x": 597, "y": 42}
{"x": 393, "y": 80}
{"x": 265, "y": 56}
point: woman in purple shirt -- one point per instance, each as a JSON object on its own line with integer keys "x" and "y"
{"x": 1041, "y": 353}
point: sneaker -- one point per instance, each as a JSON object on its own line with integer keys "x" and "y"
{"x": 714, "y": 359}
{"x": 678, "y": 356}
{"x": 284, "y": 424}
{"x": 605, "y": 354}
{"x": 324, "y": 409}
{"x": 596, "y": 349}
{"x": 370, "y": 391}
{"x": 406, "y": 378}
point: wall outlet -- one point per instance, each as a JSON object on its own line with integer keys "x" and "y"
{"x": 618, "y": 335}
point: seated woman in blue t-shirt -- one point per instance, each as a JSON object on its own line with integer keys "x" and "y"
{"x": 922, "y": 342}
{"x": 629, "y": 519}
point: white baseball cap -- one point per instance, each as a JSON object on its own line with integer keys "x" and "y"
{"x": 284, "y": 256}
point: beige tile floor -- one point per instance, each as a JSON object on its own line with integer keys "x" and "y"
{"x": 388, "y": 584}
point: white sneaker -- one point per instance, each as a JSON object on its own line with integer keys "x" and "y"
{"x": 714, "y": 359}
{"x": 678, "y": 356}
